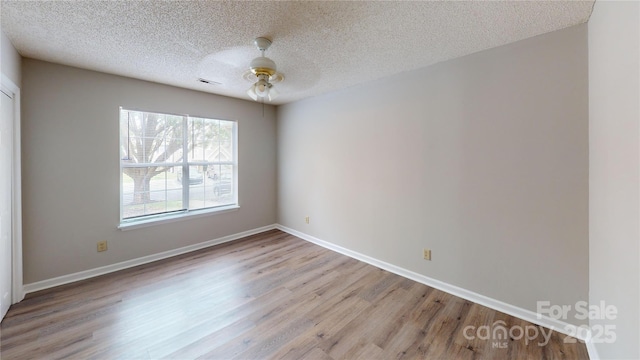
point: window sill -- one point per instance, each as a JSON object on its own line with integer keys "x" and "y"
{"x": 177, "y": 217}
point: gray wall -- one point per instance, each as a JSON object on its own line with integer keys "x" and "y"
{"x": 614, "y": 173}
{"x": 10, "y": 60}
{"x": 71, "y": 168}
{"x": 483, "y": 159}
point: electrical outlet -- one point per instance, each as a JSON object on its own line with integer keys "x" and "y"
{"x": 102, "y": 246}
{"x": 426, "y": 254}
{"x": 306, "y": 219}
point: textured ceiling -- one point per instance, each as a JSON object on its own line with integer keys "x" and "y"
{"x": 319, "y": 46}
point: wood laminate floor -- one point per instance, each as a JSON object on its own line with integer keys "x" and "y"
{"x": 268, "y": 296}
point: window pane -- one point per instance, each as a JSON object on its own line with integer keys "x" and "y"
{"x": 215, "y": 190}
{"x": 150, "y": 138}
{"x": 196, "y": 139}
{"x": 195, "y": 177}
{"x": 197, "y": 188}
{"x": 214, "y": 154}
{"x": 226, "y": 141}
{"x": 150, "y": 190}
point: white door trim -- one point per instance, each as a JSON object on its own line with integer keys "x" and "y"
{"x": 16, "y": 186}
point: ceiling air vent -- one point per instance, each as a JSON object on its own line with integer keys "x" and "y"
{"x": 211, "y": 82}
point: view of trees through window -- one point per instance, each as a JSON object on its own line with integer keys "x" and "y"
{"x": 174, "y": 163}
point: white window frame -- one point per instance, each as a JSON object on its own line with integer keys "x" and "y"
{"x": 153, "y": 219}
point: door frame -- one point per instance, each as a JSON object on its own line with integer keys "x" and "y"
{"x": 17, "y": 289}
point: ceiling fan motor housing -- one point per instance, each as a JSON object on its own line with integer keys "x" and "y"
{"x": 263, "y": 66}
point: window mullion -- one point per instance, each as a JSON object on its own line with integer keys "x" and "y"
{"x": 185, "y": 164}
{"x": 234, "y": 159}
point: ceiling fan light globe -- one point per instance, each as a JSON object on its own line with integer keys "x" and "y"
{"x": 262, "y": 88}
{"x": 252, "y": 92}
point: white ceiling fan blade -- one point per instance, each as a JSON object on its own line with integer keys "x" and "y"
{"x": 235, "y": 56}
{"x": 226, "y": 67}
{"x": 252, "y": 92}
{"x": 273, "y": 93}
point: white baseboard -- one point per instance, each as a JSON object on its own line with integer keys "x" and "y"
{"x": 82, "y": 275}
{"x": 591, "y": 350}
{"x": 528, "y": 315}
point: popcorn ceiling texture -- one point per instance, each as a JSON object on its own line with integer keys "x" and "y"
{"x": 319, "y": 46}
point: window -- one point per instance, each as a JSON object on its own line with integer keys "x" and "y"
{"x": 173, "y": 164}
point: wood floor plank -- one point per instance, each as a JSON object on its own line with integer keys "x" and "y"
{"x": 328, "y": 318}
{"x": 269, "y": 323}
{"x": 415, "y": 296}
{"x": 267, "y": 296}
{"x": 203, "y": 345}
{"x": 317, "y": 354}
{"x": 400, "y": 344}
{"x": 266, "y": 304}
{"x": 367, "y": 352}
{"x": 359, "y": 331}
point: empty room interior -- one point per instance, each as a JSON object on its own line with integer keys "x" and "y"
{"x": 320, "y": 180}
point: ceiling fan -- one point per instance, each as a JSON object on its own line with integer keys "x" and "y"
{"x": 262, "y": 71}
